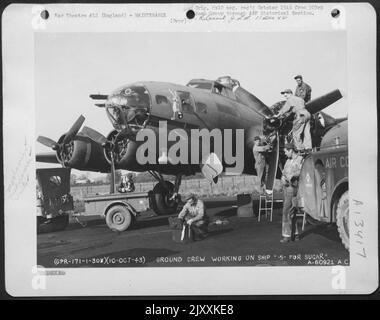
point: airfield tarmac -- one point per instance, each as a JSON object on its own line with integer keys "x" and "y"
{"x": 241, "y": 242}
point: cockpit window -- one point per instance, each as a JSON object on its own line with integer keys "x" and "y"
{"x": 200, "y": 85}
{"x": 223, "y": 91}
{"x": 161, "y": 99}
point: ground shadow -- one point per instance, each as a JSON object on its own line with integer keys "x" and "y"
{"x": 216, "y": 232}
{"x": 85, "y": 223}
{"x": 328, "y": 231}
{"x": 151, "y": 222}
{"x": 226, "y": 213}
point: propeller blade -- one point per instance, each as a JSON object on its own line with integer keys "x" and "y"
{"x": 273, "y": 164}
{"x": 324, "y": 101}
{"x": 47, "y": 141}
{"x": 73, "y": 130}
{"x": 94, "y": 135}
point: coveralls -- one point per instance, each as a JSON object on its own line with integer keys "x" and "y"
{"x": 195, "y": 212}
{"x": 260, "y": 163}
{"x": 303, "y": 91}
{"x": 301, "y": 122}
{"x": 291, "y": 170}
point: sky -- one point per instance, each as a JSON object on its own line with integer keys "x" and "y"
{"x": 70, "y": 66}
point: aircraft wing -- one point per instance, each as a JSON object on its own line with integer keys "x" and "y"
{"x": 47, "y": 157}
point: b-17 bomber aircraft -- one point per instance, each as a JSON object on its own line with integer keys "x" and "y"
{"x": 142, "y": 108}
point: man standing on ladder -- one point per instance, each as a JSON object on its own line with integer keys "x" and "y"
{"x": 289, "y": 179}
{"x": 260, "y": 163}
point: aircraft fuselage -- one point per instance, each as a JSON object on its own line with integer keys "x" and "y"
{"x": 143, "y": 105}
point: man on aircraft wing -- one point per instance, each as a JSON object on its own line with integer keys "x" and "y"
{"x": 301, "y": 122}
{"x": 303, "y": 90}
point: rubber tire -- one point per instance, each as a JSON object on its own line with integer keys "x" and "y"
{"x": 158, "y": 199}
{"x": 342, "y": 219}
{"x": 119, "y": 218}
{"x": 51, "y": 225}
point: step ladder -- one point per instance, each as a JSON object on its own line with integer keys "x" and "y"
{"x": 302, "y": 214}
{"x": 266, "y": 205}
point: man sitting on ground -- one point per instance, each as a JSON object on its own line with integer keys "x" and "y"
{"x": 194, "y": 214}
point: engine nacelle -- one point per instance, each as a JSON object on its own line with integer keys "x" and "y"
{"x": 83, "y": 153}
{"x": 124, "y": 152}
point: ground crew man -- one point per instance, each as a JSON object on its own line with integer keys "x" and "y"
{"x": 289, "y": 180}
{"x": 301, "y": 123}
{"x": 127, "y": 184}
{"x": 303, "y": 90}
{"x": 260, "y": 162}
{"x": 194, "y": 214}
{"x": 39, "y": 201}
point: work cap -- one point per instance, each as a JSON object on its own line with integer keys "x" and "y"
{"x": 298, "y": 76}
{"x": 287, "y": 91}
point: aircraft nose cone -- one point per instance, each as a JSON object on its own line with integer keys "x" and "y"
{"x": 118, "y": 100}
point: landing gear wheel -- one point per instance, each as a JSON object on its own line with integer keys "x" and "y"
{"x": 51, "y": 225}
{"x": 342, "y": 219}
{"x": 160, "y": 199}
{"x": 119, "y": 218}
